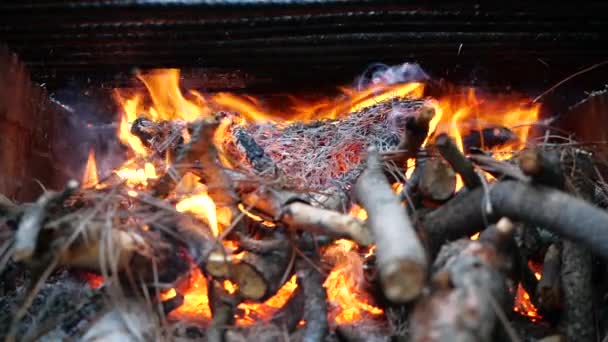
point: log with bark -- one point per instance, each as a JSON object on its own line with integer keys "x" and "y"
{"x": 437, "y": 179}
{"x": 416, "y": 131}
{"x": 557, "y": 211}
{"x": 470, "y": 290}
{"x": 461, "y": 165}
{"x": 292, "y": 209}
{"x": 401, "y": 259}
{"x": 315, "y": 307}
{"x": 549, "y": 297}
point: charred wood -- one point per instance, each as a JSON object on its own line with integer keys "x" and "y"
{"x": 160, "y": 137}
{"x": 362, "y": 333}
{"x": 261, "y": 246}
{"x": 291, "y": 313}
{"x": 255, "y": 154}
{"x": 488, "y": 138}
{"x": 499, "y": 169}
{"x": 555, "y": 210}
{"x": 401, "y": 259}
{"x": 449, "y": 151}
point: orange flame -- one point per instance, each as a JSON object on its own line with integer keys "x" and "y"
{"x": 457, "y": 115}
{"x": 349, "y": 303}
{"x": 89, "y": 177}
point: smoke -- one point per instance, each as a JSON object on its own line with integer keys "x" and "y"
{"x": 382, "y": 74}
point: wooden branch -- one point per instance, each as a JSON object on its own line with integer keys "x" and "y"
{"x": 260, "y": 276}
{"x": 557, "y": 211}
{"x": 222, "y": 306}
{"x": 544, "y": 167}
{"x": 437, "y": 180}
{"x": 289, "y": 209}
{"x": 577, "y": 322}
{"x": 498, "y": 168}
{"x": 263, "y": 246}
{"x": 315, "y": 307}
{"x": 401, "y": 258}
{"x": 549, "y": 295}
{"x": 288, "y": 316}
{"x": 449, "y": 151}
{"x": 321, "y": 221}
{"x": 469, "y": 289}
{"x": 27, "y": 236}
{"x": 416, "y": 131}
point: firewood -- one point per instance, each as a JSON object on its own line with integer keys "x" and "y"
{"x": 449, "y": 151}
{"x": 401, "y": 259}
{"x": 26, "y": 238}
{"x": 322, "y": 221}
{"x": 159, "y": 136}
{"x": 559, "y": 212}
{"x": 577, "y": 320}
{"x": 290, "y": 314}
{"x": 289, "y": 209}
{"x": 437, "y": 180}
{"x": 202, "y": 149}
{"x": 498, "y": 168}
{"x": 416, "y": 131}
{"x": 488, "y": 138}
{"x": 549, "y": 296}
{"x": 258, "y": 277}
{"x": 263, "y": 246}
{"x": 315, "y": 307}
{"x": 223, "y": 306}
{"x": 469, "y": 293}
{"x": 543, "y": 166}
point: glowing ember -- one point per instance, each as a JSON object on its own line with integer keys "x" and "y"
{"x": 94, "y": 280}
{"x": 348, "y": 301}
{"x": 253, "y": 311}
{"x": 89, "y": 178}
{"x": 523, "y": 304}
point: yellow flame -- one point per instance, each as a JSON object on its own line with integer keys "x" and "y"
{"x": 350, "y": 303}
{"x": 89, "y": 177}
{"x": 201, "y": 206}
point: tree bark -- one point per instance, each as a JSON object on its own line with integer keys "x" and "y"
{"x": 401, "y": 259}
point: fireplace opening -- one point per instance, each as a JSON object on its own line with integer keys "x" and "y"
{"x": 306, "y": 170}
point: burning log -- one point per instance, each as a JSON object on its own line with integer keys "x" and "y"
{"x": 416, "y": 131}
{"x": 259, "y": 276}
{"x": 437, "y": 180}
{"x": 291, "y": 313}
{"x": 470, "y": 290}
{"x": 202, "y": 149}
{"x": 401, "y": 258}
{"x": 291, "y": 210}
{"x": 549, "y": 296}
{"x": 449, "y": 151}
{"x": 315, "y": 307}
{"x": 26, "y": 238}
{"x": 555, "y": 210}
{"x": 160, "y": 136}
{"x": 223, "y": 306}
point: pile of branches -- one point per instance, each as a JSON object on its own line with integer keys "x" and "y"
{"x": 434, "y": 283}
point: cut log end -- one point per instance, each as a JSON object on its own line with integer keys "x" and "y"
{"x": 251, "y": 283}
{"x": 402, "y": 280}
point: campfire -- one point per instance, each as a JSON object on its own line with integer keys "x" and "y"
{"x": 381, "y": 212}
